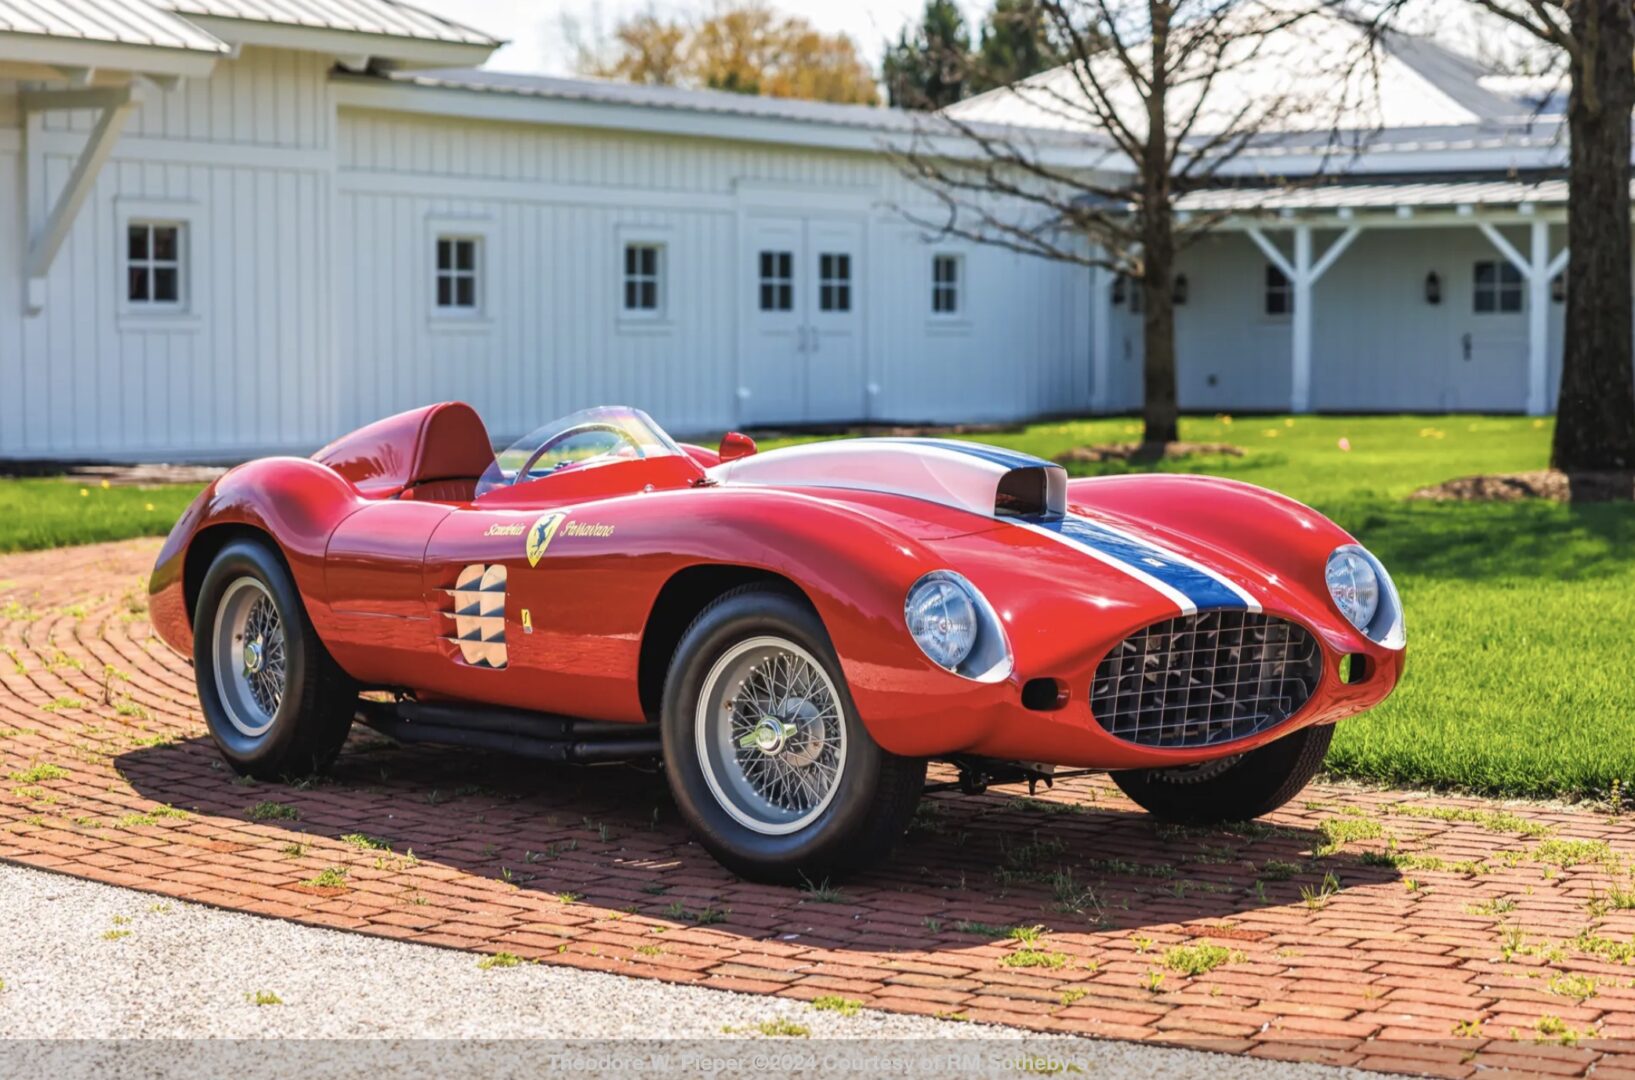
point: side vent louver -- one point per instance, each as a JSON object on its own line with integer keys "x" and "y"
{"x": 477, "y": 606}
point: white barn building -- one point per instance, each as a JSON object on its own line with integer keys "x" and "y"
{"x": 236, "y": 226}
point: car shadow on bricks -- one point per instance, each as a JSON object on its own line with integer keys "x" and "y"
{"x": 467, "y": 848}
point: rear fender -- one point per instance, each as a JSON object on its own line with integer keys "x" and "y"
{"x": 295, "y": 502}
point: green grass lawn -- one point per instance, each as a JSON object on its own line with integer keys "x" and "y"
{"x": 44, "y": 512}
{"x": 1521, "y": 616}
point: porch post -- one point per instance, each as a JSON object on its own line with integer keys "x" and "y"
{"x": 1300, "y": 382}
{"x": 1538, "y": 318}
{"x": 1101, "y": 338}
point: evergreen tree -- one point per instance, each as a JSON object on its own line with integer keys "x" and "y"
{"x": 928, "y": 69}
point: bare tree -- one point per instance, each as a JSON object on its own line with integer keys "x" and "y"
{"x": 1595, "y": 411}
{"x": 1166, "y": 93}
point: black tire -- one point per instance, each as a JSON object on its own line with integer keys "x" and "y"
{"x": 312, "y": 718}
{"x": 875, "y": 792}
{"x": 1257, "y": 783}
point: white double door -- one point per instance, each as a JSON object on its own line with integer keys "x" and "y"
{"x": 803, "y": 343}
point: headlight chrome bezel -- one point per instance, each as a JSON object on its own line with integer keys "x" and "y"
{"x": 989, "y": 658}
{"x": 1385, "y": 624}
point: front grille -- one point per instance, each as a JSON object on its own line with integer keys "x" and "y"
{"x": 1205, "y": 679}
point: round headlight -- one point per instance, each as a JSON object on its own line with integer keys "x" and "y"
{"x": 1354, "y": 585}
{"x": 942, "y": 618}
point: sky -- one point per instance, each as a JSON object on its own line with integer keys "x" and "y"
{"x": 540, "y": 31}
{"x": 535, "y": 28}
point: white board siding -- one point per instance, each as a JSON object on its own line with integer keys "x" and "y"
{"x": 266, "y": 97}
{"x": 243, "y": 371}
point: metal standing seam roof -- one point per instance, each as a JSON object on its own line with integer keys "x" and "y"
{"x": 119, "y": 22}
{"x": 1374, "y": 196}
{"x": 725, "y": 103}
{"x": 389, "y": 18}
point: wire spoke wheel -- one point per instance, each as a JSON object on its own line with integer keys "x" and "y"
{"x": 250, "y": 656}
{"x": 771, "y": 735}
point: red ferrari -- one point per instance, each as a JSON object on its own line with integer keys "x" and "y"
{"x": 795, "y": 632}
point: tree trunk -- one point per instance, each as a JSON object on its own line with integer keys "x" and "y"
{"x": 1158, "y": 328}
{"x": 1595, "y": 415}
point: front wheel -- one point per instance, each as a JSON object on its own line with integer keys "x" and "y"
{"x": 1231, "y": 789}
{"x": 275, "y": 702}
{"x": 765, "y": 754}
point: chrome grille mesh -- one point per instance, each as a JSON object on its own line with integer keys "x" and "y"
{"x": 1205, "y": 679}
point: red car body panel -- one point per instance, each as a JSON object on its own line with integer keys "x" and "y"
{"x": 373, "y": 560}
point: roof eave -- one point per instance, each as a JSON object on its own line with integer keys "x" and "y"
{"x": 56, "y": 51}
{"x": 389, "y": 50}
{"x": 361, "y": 91}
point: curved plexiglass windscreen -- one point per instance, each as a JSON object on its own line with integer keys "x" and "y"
{"x": 586, "y": 439}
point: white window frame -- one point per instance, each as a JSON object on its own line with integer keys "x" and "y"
{"x": 481, "y": 232}
{"x": 777, "y": 280}
{"x": 959, "y": 287}
{"x": 182, "y": 313}
{"x": 1498, "y": 287}
{"x": 642, "y": 320}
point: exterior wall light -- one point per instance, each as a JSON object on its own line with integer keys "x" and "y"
{"x": 1180, "y": 290}
{"x": 1433, "y": 288}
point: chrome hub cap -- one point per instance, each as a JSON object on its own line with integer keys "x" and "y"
{"x": 770, "y": 735}
{"x": 248, "y": 650}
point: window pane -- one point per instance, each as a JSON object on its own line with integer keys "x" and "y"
{"x": 465, "y": 254}
{"x": 650, "y": 295}
{"x": 630, "y": 258}
{"x": 1484, "y": 300}
{"x": 138, "y": 241}
{"x": 1275, "y": 278}
{"x": 1509, "y": 275}
{"x": 164, "y": 284}
{"x": 1510, "y": 300}
{"x": 630, "y": 294}
{"x": 826, "y": 297}
{"x": 1484, "y": 273}
{"x": 164, "y": 243}
{"x": 766, "y": 264}
{"x": 843, "y": 267}
{"x": 650, "y": 261}
{"x": 768, "y": 302}
{"x": 465, "y": 292}
{"x": 843, "y": 297}
{"x": 786, "y": 264}
{"x": 826, "y": 266}
{"x": 1277, "y": 303}
{"x": 445, "y": 260}
{"x": 786, "y": 298}
{"x": 137, "y": 287}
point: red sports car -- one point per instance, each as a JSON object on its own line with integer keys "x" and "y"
{"x": 795, "y": 632}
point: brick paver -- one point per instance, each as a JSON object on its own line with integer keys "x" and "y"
{"x": 1377, "y": 928}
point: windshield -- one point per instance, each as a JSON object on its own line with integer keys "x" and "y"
{"x": 587, "y": 438}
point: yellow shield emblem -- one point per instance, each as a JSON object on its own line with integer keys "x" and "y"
{"x": 540, "y": 534}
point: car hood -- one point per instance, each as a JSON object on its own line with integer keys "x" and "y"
{"x": 978, "y": 479}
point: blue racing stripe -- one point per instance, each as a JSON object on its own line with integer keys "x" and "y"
{"x": 1203, "y": 589}
{"x": 997, "y": 455}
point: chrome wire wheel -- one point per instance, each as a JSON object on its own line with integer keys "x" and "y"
{"x": 771, "y": 735}
{"x": 249, "y": 656}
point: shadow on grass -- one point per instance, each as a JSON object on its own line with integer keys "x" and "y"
{"x": 970, "y": 867}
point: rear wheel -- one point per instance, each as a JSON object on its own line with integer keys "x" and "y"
{"x": 275, "y": 702}
{"x": 1231, "y": 789}
{"x": 765, "y": 754}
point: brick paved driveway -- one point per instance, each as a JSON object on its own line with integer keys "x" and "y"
{"x": 1384, "y": 929}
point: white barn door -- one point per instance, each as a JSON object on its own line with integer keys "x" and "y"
{"x": 803, "y": 347}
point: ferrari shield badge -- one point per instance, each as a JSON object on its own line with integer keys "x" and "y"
{"x": 540, "y": 534}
